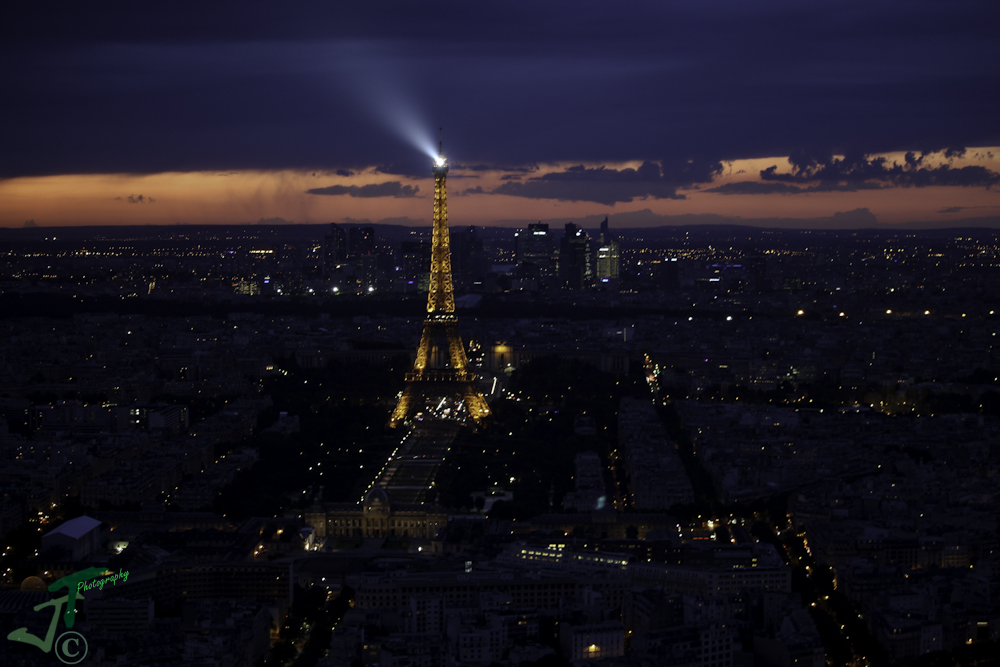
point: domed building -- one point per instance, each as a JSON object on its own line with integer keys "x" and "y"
{"x": 34, "y": 584}
{"x": 377, "y": 516}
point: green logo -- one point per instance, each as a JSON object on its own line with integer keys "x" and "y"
{"x": 70, "y": 647}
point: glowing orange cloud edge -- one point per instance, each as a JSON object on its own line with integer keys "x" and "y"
{"x": 248, "y": 196}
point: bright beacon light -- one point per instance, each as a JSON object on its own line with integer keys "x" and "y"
{"x": 440, "y": 162}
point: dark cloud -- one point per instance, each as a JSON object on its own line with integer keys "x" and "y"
{"x": 417, "y": 167}
{"x": 387, "y": 189}
{"x": 344, "y": 172}
{"x": 135, "y": 199}
{"x": 511, "y": 177}
{"x": 488, "y": 167}
{"x": 612, "y": 186}
{"x": 602, "y": 192}
{"x": 842, "y": 187}
{"x": 478, "y": 190}
{"x": 756, "y": 188}
{"x": 957, "y": 209}
{"x": 859, "y": 169}
{"x": 258, "y": 86}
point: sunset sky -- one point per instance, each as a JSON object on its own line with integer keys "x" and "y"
{"x": 823, "y": 114}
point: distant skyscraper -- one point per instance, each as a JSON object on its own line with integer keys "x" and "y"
{"x": 576, "y": 269}
{"x": 362, "y": 241}
{"x": 334, "y": 250}
{"x": 607, "y": 262}
{"x": 461, "y": 255}
{"x": 606, "y": 236}
{"x": 533, "y": 251}
{"x": 607, "y": 255}
{"x": 469, "y": 263}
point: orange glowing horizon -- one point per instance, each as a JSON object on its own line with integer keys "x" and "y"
{"x": 248, "y": 196}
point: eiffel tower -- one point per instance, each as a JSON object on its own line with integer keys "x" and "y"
{"x": 440, "y": 326}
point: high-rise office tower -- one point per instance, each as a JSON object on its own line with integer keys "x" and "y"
{"x": 533, "y": 252}
{"x": 606, "y": 236}
{"x": 607, "y": 262}
{"x": 334, "y": 250}
{"x": 576, "y": 268}
{"x": 362, "y": 241}
{"x": 608, "y": 251}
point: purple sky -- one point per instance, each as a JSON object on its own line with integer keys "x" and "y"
{"x": 651, "y": 98}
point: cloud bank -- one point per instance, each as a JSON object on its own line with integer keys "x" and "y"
{"x": 388, "y": 189}
{"x": 602, "y": 185}
{"x": 854, "y": 169}
{"x": 135, "y": 199}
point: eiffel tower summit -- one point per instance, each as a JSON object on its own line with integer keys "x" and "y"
{"x": 441, "y": 370}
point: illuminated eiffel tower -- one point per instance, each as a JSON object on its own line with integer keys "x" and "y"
{"x": 440, "y": 326}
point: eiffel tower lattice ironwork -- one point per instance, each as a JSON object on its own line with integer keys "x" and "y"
{"x": 440, "y": 326}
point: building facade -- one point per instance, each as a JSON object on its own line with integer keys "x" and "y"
{"x": 377, "y": 517}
